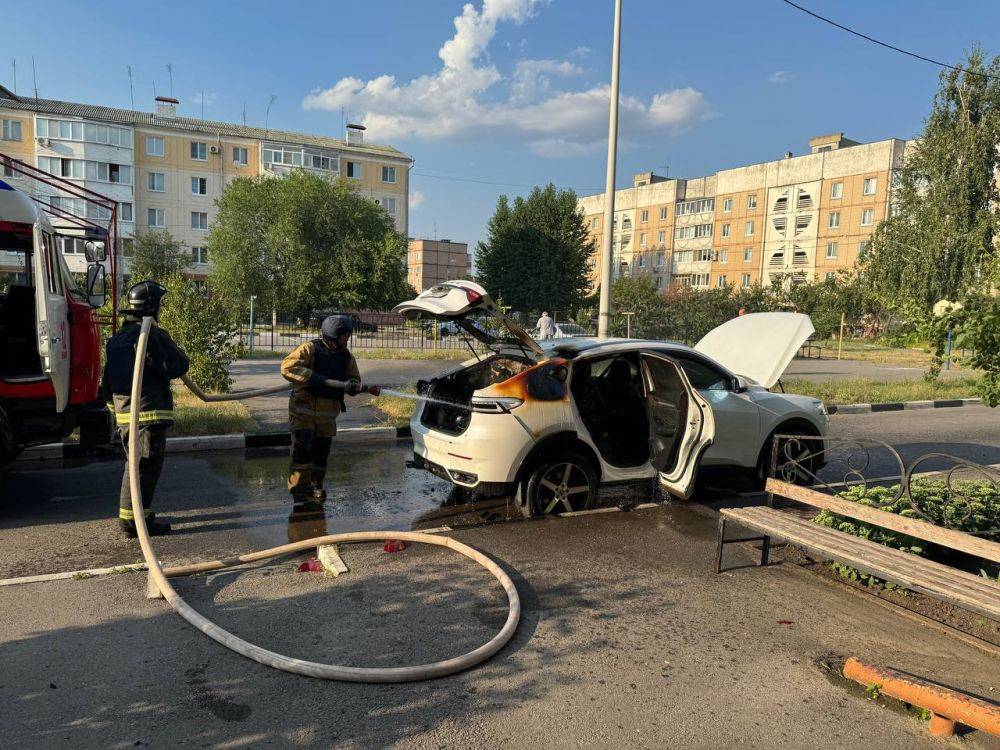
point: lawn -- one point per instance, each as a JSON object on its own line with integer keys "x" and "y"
{"x": 865, "y": 391}
{"x": 866, "y": 350}
{"x": 194, "y": 417}
{"x": 395, "y": 411}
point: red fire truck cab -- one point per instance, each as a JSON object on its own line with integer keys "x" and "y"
{"x": 50, "y": 357}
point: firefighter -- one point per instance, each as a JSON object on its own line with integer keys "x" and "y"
{"x": 164, "y": 362}
{"x": 315, "y": 369}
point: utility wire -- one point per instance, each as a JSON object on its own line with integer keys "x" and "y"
{"x": 894, "y": 48}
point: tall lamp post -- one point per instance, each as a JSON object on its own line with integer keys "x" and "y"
{"x": 607, "y": 258}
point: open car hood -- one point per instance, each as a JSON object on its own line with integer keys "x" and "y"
{"x": 459, "y": 300}
{"x": 758, "y": 345}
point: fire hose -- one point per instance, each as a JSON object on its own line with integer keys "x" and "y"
{"x": 159, "y": 577}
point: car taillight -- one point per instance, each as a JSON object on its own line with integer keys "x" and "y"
{"x": 495, "y": 405}
{"x": 473, "y": 296}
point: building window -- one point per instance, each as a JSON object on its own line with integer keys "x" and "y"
{"x": 73, "y": 168}
{"x": 683, "y": 256}
{"x": 723, "y": 256}
{"x": 154, "y": 146}
{"x": 867, "y": 217}
{"x": 104, "y": 172}
{"x": 594, "y": 222}
{"x": 722, "y": 281}
{"x": 661, "y": 237}
{"x": 693, "y": 232}
{"x": 199, "y": 220}
{"x": 644, "y": 215}
{"x": 659, "y": 259}
{"x": 642, "y": 261}
{"x": 199, "y": 151}
{"x": 747, "y": 255}
{"x": 698, "y": 206}
{"x": 751, "y": 202}
{"x": 8, "y": 170}
{"x": 11, "y": 130}
{"x": 199, "y": 255}
{"x": 155, "y": 218}
{"x": 281, "y": 155}
{"x": 663, "y": 213}
{"x": 837, "y": 190}
{"x": 354, "y": 170}
{"x": 749, "y": 229}
{"x": 642, "y": 239}
{"x": 125, "y": 211}
{"x": 240, "y": 156}
{"x": 199, "y": 186}
{"x": 727, "y": 205}
{"x": 389, "y": 204}
{"x": 705, "y": 254}
{"x": 862, "y": 248}
{"x": 834, "y": 221}
{"x": 725, "y": 230}
{"x": 868, "y": 187}
{"x": 831, "y": 250}
{"x": 745, "y": 279}
{"x": 700, "y": 279}
{"x": 388, "y": 174}
{"x": 155, "y": 182}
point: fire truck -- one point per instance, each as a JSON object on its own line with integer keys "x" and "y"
{"x": 50, "y": 341}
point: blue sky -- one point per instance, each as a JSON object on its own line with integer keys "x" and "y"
{"x": 514, "y": 93}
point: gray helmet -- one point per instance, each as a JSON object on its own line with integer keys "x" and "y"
{"x": 143, "y": 299}
{"x": 335, "y": 326}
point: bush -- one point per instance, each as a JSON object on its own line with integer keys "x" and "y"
{"x": 203, "y": 329}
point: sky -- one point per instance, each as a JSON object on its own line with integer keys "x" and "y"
{"x": 494, "y": 96}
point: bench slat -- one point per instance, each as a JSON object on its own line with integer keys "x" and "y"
{"x": 974, "y": 593}
{"x": 957, "y": 540}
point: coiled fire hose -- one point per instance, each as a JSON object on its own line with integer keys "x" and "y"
{"x": 159, "y": 576}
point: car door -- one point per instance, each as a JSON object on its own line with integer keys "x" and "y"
{"x": 50, "y": 311}
{"x": 681, "y": 425}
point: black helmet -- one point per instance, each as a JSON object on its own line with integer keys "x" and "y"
{"x": 335, "y": 326}
{"x": 143, "y": 299}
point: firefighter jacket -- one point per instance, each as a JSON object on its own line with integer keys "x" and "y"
{"x": 308, "y": 368}
{"x": 164, "y": 362}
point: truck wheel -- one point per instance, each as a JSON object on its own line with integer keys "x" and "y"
{"x": 559, "y": 484}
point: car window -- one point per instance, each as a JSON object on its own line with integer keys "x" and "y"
{"x": 703, "y": 376}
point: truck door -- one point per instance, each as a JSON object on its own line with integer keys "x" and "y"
{"x": 681, "y": 425}
{"x": 50, "y": 311}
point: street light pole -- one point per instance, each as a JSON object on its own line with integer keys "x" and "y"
{"x": 607, "y": 259}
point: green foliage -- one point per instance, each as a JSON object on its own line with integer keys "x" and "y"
{"x": 638, "y": 295}
{"x": 537, "y": 252}
{"x": 973, "y": 507}
{"x": 940, "y": 241}
{"x": 304, "y": 242}
{"x": 203, "y": 328}
{"x": 155, "y": 255}
{"x": 975, "y": 327}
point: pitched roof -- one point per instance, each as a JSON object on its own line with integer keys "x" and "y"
{"x": 135, "y": 118}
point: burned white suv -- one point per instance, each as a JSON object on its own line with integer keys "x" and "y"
{"x": 550, "y": 423}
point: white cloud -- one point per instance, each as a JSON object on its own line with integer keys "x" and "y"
{"x": 462, "y": 99}
{"x": 416, "y": 198}
{"x": 778, "y": 77}
{"x": 578, "y": 53}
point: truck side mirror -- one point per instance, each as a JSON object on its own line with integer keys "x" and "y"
{"x": 95, "y": 252}
{"x": 97, "y": 292}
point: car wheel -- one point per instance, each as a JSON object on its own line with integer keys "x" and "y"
{"x": 560, "y": 484}
{"x": 795, "y": 463}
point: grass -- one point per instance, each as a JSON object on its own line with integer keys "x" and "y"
{"x": 866, "y": 350}
{"x": 194, "y": 417}
{"x": 865, "y": 391}
{"x": 456, "y": 355}
{"x": 394, "y": 411}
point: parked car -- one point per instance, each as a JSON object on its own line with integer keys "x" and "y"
{"x": 360, "y": 326}
{"x": 550, "y": 422}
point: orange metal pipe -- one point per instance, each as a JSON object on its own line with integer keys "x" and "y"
{"x": 947, "y": 706}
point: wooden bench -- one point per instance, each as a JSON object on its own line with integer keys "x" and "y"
{"x": 972, "y": 592}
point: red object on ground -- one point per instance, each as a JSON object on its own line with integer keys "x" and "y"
{"x": 393, "y": 545}
{"x": 311, "y": 566}
{"x": 786, "y": 622}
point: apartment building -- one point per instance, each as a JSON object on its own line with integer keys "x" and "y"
{"x": 429, "y": 262}
{"x": 166, "y": 171}
{"x": 795, "y": 219}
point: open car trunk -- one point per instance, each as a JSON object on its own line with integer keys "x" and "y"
{"x": 457, "y": 388}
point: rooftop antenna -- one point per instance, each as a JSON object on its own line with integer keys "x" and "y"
{"x": 13, "y": 64}
{"x": 343, "y": 118}
{"x": 34, "y": 79}
{"x": 203, "y": 104}
{"x": 170, "y": 72}
{"x": 435, "y": 230}
{"x": 244, "y": 114}
{"x": 267, "y": 113}
{"x": 665, "y": 167}
{"x": 131, "y": 92}
{"x": 154, "y": 88}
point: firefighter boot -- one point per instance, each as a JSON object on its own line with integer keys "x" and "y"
{"x": 154, "y": 527}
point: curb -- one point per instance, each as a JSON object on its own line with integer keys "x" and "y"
{"x": 238, "y": 441}
{"x": 900, "y": 406}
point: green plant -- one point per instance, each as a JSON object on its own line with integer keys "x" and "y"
{"x": 873, "y": 691}
{"x": 974, "y": 325}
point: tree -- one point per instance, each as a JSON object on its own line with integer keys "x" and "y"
{"x": 304, "y": 242}
{"x": 637, "y": 295}
{"x": 939, "y": 242}
{"x": 155, "y": 255}
{"x": 537, "y": 253}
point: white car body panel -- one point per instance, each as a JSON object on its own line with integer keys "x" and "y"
{"x": 759, "y": 345}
